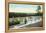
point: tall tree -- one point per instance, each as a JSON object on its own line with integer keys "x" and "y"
{"x": 38, "y": 8}
{"x": 25, "y": 20}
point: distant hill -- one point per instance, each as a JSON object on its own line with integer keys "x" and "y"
{"x": 24, "y": 14}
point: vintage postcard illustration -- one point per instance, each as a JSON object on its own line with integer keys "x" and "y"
{"x": 24, "y": 16}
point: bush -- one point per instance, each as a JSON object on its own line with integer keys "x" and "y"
{"x": 17, "y": 22}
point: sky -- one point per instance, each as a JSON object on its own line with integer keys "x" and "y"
{"x": 23, "y": 8}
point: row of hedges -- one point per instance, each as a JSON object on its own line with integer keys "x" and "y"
{"x": 14, "y": 23}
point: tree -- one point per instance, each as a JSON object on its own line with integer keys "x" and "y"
{"x": 38, "y": 8}
{"x": 25, "y": 21}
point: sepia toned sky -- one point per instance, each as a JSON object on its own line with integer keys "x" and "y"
{"x": 23, "y": 8}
